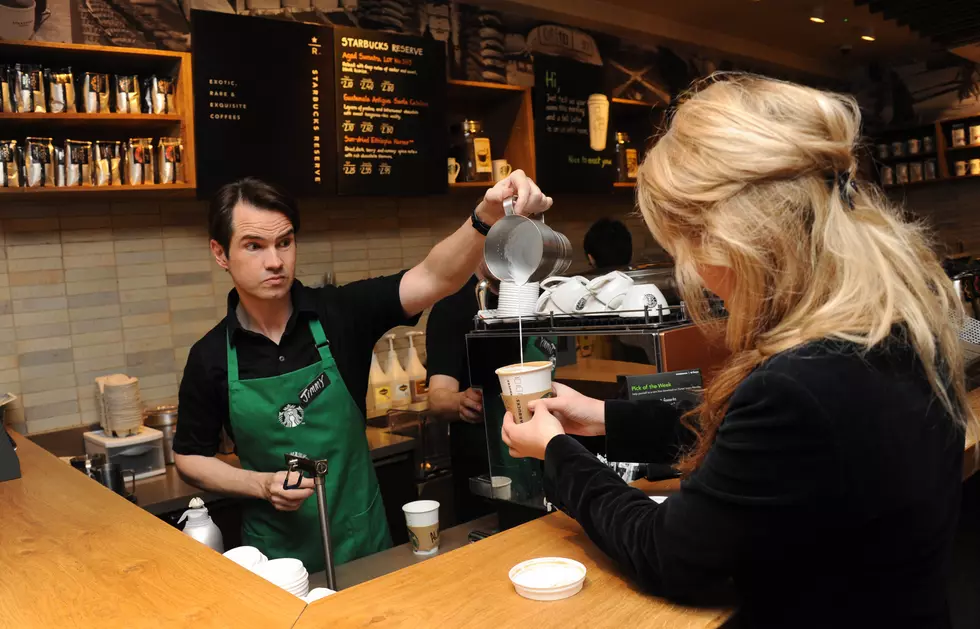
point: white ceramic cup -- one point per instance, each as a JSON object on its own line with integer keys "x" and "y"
{"x": 568, "y": 295}
{"x": 422, "y": 519}
{"x": 975, "y": 134}
{"x": 453, "y": 169}
{"x": 523, "y": 383}
{"x": 17, "y": 19}
{"x": 609, "y": 291}
{"x": 642, "y": 296}
{"x": 501, "y": 169}
{"x": 598, "y": 121}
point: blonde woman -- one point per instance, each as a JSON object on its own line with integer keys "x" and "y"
{"x": 825, "y": 478}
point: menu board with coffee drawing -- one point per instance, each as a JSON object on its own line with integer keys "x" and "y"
{"x": 572, "y": 133}
{"x": 391, "y": 135}
{"x": 259, "y": 114}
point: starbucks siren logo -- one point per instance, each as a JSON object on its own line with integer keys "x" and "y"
{"x": 291, "y": 415}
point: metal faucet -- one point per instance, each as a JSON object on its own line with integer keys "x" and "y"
{"x": 318, "y": 470}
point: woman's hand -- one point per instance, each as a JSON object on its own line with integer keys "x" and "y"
{"x": 530, "y": 439}
{"x": 579, "y": 415}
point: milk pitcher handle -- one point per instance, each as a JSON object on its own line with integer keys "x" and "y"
{"x": 509, "y": 205}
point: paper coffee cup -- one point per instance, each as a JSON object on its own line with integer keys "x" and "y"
{"x": 598, "y": 121}
{"x": 422, "y": 518}
{"x": 521, "y": 384}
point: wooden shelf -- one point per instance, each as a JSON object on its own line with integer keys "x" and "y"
{"x": 485, "y": 86}
{"x": 962, "y": 148}
{"x": 624, "y": 184}
{"x": 917, "y": 183}
{"x": 471, "y": 184}
{"x": 907, "y": 158}
{"x": 68, "y": 116}
{"x": 178, "y": 189}
{"x": 107, "y": 126}
{"x": 632, "y": 103}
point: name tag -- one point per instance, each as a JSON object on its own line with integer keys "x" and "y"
{"x": 313, "y": 389}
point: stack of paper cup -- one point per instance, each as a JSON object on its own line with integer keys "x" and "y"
{"x": 289, "y": 574}
{"x": 119, "y": 403}
{"x": 517, "y": 301}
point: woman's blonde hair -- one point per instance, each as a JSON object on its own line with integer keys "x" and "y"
{"x": 757, "y": 175}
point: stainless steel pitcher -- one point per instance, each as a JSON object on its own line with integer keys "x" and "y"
{"x": 520, "y": 249}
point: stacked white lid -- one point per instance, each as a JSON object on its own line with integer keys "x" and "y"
{"x": 548, "y": 578}
{"x": 289, "y": 574}
{"x": 119, "y": 403}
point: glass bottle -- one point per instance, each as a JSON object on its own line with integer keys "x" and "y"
{"x": 478, "y": 163}
{"x": 627, "y": 159}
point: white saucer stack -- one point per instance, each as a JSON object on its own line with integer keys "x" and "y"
{"x": 120, "y": 406}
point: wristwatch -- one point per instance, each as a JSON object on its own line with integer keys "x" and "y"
{"x": 479, "y": 225}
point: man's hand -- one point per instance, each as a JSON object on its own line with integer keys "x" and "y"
{"x": 530, "y": 199}
{"x": 471, "y": 406}
{"x": 287, "y": 499}
{"x": 530, "y": 439}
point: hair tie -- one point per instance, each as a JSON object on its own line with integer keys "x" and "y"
{"x": 846, "y": 187}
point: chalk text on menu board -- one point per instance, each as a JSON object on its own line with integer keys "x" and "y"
{"x": 371, "y": 112}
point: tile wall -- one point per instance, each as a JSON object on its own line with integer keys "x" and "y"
{"x": 93, "y": 288}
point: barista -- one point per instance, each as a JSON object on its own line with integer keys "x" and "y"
{"x": 286, "y": 370}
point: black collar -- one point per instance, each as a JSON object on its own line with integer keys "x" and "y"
{"x": 303, "y": 306}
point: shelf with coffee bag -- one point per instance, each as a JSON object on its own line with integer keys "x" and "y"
{"x": 491, "y": 128}
{"x": 94, "y": 119}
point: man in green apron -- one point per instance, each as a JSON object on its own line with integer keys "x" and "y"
{"x": 286, "y": 370}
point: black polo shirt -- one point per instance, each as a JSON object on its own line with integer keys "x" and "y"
{"x": 450, "y": 320}
{"x": 353, "y": 316}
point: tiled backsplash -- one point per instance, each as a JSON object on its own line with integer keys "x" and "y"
{"x": 93, "y": 288}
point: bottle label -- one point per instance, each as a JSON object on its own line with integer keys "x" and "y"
{"x": 632, "y": 165}
{"x": 420, "y": 392}
{"x": 481, "y": 146}
{"x": 382, "y": 397}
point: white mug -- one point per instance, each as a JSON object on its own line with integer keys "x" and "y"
{"x": 500, "y": 169}
{"x": 609, "y": 290}
{"x": 453, "y": 170}
{"x": 17, "y": 21}
{"x": 569, "y": 295}
{"x": 643, "y": 296}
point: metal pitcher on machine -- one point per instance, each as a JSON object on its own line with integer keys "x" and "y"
{"x": 522, "y": 249}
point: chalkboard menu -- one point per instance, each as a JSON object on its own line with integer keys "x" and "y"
{"x": 263, "y": 95}
{"x": 390, "y": 114}
{"x": 572, "y": 131}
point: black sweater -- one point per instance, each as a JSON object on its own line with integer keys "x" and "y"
{"x": 829, "y": 497}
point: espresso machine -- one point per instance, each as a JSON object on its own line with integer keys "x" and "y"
{"x": 590, "y": 353}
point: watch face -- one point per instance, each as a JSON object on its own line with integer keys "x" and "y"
{"x": 291, "y": 415}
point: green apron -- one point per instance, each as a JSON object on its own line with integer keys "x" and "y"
{"x": 269, "y": 420}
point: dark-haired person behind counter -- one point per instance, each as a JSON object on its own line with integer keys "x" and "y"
{"x": 286, "y": 370}
{"x": 826, "y": 478}
{"x": 608, "y": 245}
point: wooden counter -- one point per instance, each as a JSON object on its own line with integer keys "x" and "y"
{"x": 73, "y": 553}
{"x": 469, "y": 588}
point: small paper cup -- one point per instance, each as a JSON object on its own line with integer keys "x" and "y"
{"x": 422, "y": 519}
